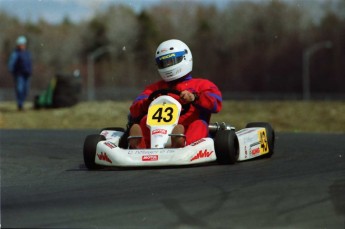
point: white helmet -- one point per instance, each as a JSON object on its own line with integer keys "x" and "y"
{"x": 174, "y": 60}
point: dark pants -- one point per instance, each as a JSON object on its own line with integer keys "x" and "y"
{"x": 22, "y": 85}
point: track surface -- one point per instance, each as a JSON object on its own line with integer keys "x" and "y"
{"x": 44, "y": 184}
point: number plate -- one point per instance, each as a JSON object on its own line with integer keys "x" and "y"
{"x": 263, "y": 141}
{"x": 162, "y": 114}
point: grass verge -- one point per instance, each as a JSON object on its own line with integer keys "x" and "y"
{"x": 287, "y": 116}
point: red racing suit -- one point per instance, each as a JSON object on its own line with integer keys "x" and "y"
{"x": 196, "y": 120}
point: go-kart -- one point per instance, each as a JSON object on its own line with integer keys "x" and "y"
{"x": 223, "y": 145}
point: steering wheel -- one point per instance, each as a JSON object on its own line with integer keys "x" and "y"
{"x": 166, "y": 91}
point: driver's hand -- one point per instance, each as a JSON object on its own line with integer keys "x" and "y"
{"x": 187, "y": 97}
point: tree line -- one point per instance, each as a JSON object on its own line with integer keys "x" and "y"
{"x": 244, "y": 47}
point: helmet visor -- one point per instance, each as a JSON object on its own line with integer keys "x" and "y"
{"x": 169, "y": 59}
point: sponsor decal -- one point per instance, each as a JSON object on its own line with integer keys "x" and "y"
{"x": 202, "y": 154}
{"x": 244, "y": 131}
{"x": 159, "y": 131}
{"x": 110, "y": 145}
{"x": 197, "y": 142}
{"x": 255, "y": 151}
{"x": 104, "y": 157}
{"x": 167, "y": 56}
{"x": 149, "y": 158}
{"x": 254, "y": 144}
{"x": 150, "y": 151}
{"x": 263, "y": 141}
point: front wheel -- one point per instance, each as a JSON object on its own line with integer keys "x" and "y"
{"x": 89, "y": 151}
{"x": 270, "y": 135}
{"x": 226, "y": 146}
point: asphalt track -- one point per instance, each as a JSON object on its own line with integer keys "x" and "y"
{"x": 44, "y": 184}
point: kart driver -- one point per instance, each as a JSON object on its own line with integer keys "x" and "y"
{"x": 175, "y": 63}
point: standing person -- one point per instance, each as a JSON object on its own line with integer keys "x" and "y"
{"x": 175, "y": 63}
{"x": 20, "y": 66}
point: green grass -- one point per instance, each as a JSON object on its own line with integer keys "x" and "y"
{"x": 291, "y": 116}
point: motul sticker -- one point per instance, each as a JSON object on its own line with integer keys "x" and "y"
{"x": 159, "y": 131}
{"x": 197, "y": 142}
{"x": 149, "y": 158}
{"x": 104, "y": 157}
{"x": 110, "y": 145}
{"x": 255, "y": 151}
{"x": 202, "y": 154}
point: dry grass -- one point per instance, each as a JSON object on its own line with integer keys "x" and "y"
{"x": 292, "y": 116}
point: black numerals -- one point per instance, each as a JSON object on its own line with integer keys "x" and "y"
{"x": 166, "y": 115}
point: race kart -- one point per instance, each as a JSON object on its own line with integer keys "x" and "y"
{"x": 223, "y": 145}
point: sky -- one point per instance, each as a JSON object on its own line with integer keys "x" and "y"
{"x": 54, "y": 11}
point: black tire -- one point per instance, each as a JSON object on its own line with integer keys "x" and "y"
{"x": 89, "y": 151}
{"x": 67, "y": 91}
{"x": 270, "y": 135}
{"x": 226, "y": 146}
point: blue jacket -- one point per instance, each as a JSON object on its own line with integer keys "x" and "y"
{"x": 20, "y": 63}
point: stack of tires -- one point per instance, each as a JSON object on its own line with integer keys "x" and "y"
{"x": 64, "y": 90}
{"x": 67, "y": 90}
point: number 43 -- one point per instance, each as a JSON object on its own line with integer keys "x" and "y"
{"x": 166, "y": 115}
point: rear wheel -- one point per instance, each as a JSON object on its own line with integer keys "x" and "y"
{"x": 89, "y": 151}
{"x": 270, "y": 135}
{"x": 226, "y": 146}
